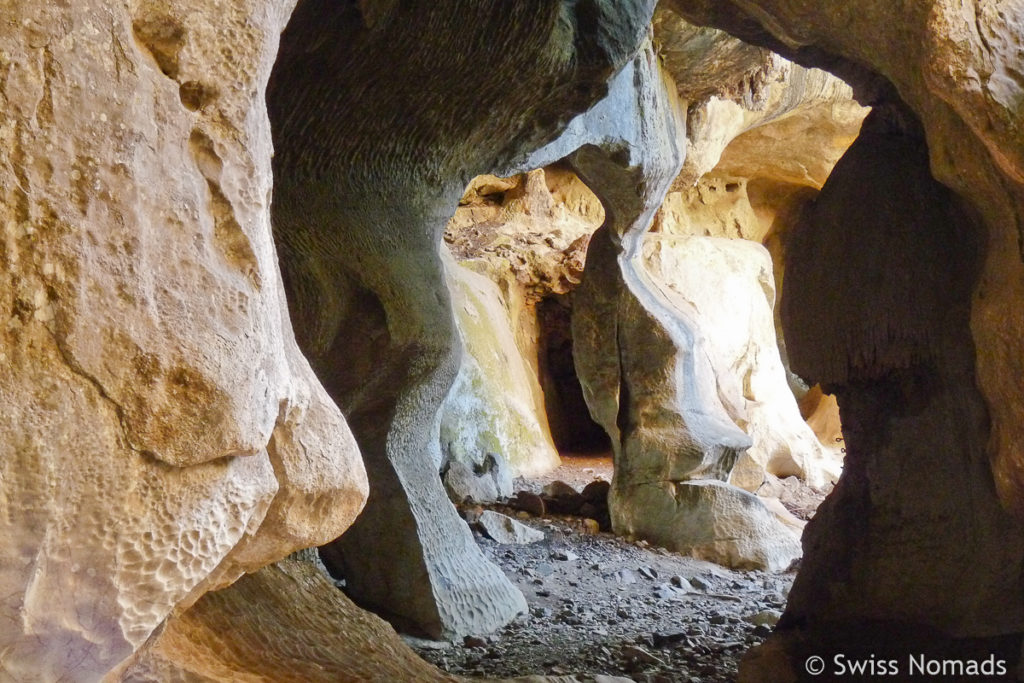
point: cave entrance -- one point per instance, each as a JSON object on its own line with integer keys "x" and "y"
{"x": 573, "y": 430}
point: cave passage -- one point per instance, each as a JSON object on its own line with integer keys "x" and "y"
{"x": 572, "y": 427}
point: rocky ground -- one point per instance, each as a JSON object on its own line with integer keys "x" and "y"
{"x": 600, "y": 604}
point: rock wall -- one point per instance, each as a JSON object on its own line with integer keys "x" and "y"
{"x": 728, "y": 284}
{"x": 896, "y": 253}
{"x": 495, "y": 405}
{"x": 164, "y": 434}
{"x": 954, "y": 66}
{"x": 374, "y": 146}
{"x": 518, "y": 241}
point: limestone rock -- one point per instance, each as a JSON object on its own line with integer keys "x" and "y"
{"x": 360, "y": 205}
{"x": 163, "y": 433}
{"x": 729, "y": 286}
{"x": 286, "y": 622}
{"x": 901, "y": 361}
{"x": 504, "y": 529}
{"x": 495, "y": 405}
{"x": 711, "y": 521}
{"x": 463, "y": 483}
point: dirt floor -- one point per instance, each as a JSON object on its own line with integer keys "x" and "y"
{"x": 600, "y": 604}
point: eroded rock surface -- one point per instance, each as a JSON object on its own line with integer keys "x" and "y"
{"x": 286, "y": 622}
{"x": 729, "y": 286}
{"x": 914, "y": 422}
{"x": 163, "y": 432}
{"x": 373, "y": 150}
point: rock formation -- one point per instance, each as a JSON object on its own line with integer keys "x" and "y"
{"x": 174, "y": 402}
{"x": 954, "y": 67}
{"x": 373, "y": 149}
{"x": 163, "y": 433}
{"x": 728, "y": 285}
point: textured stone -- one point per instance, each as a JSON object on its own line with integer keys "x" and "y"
{"x": 728, "y": 285}
{"x": 163, "y": 433}
{"x": 495, "y": 405}
{"x": 286, "y": 622}
{"x": 714, "y": 521}
{"x": 529, "y": 234}
{"x": 373, "y": 148}
{"x": 900, "y": 360}
{"x": 504, "y": 529}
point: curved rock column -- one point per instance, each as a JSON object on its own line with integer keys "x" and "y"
{"x": 162, "y": 433}
{"x": 646, "y": 377}
{"x": 876, "y": 306}
{"x": 381, "y": 114}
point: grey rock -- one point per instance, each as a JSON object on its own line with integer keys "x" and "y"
{"x": 504, "y": 529}
{"x": 625, "y": 576}
{"x": 767, "y": 617}
{"x": 681, "y": 583}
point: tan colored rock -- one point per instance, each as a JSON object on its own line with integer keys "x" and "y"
{"x": 794, "y": 131}
{"x": 285, "y": 623}
{"x": 164, "y": 434}
{"x": 496, "y": 405}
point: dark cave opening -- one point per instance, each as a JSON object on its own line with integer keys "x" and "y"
{"x": 572, "y": 428}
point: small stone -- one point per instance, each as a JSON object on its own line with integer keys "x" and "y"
{"x": 648, "y": 573}
{"x": 565, "y": 555}
{"x": 668, "y": 639}
{"x": 699, "y": 583}
{"x": 718, "y": 619}
{"x": 474, "y": 641}
{"x": 625, "y": 576}
{"x": 681, "y": 583}
{"x": 506, "y": 530}
{"x": 544, "y": 568}
{"x": 768, "y": 617}
{"x": 528, "y": 502}
{"x": 638, "y": 654}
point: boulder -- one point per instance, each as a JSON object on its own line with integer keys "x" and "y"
{"x": 505, "y": 530}
{"x": 286, "y": 622}
{"x": 711, "y": 521}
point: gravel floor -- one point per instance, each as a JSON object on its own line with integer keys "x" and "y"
{"x": 600, "y": 604}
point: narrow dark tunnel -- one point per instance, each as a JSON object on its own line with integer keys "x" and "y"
{"x": 572, "y": 427}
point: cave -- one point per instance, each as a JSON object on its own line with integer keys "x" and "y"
{"x": 572, "y": 428}
{"x": 299, "y": 290}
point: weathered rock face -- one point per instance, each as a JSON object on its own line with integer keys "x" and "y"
{"x": 728, "y": 285}
{"x": 297, "y": 626}
{"x": 646, "y": 379}
{"x": 755, "y": 153}
{"x": 374, "y": 147}
{"x": 956, "y": 74}
{"x": 882, "y": 266}
{"x": 520, "y": 243}
{"x": 495, "y": 405}
{"x": 163, "y": 432}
